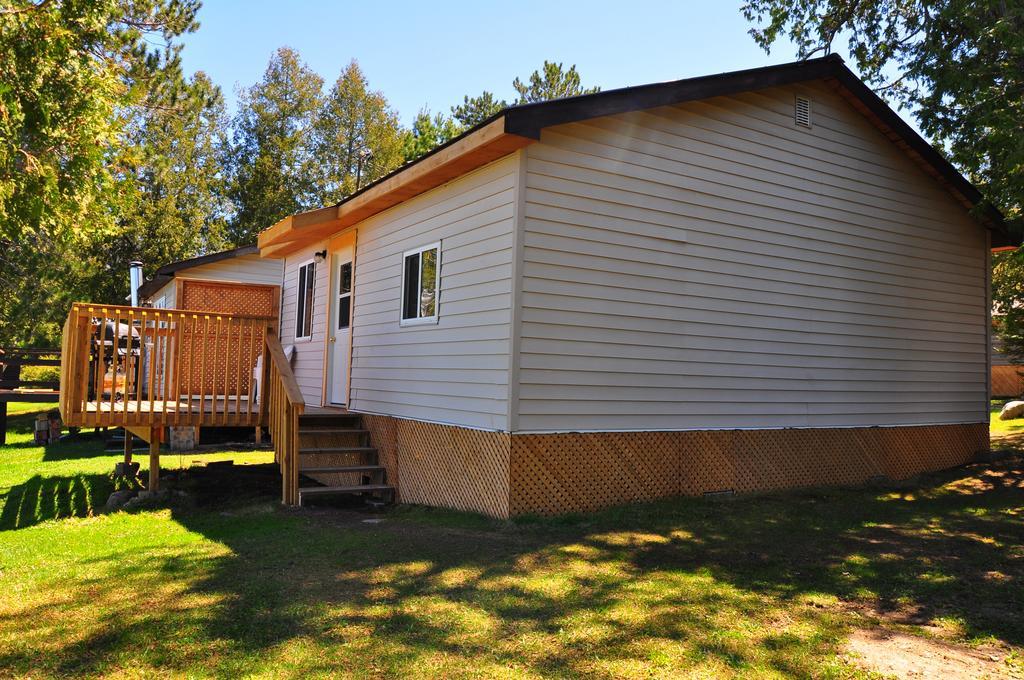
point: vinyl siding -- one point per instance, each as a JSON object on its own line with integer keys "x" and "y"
{"x": 168, "y": 292}
{"x": 457, "y": 370}
{"x": 308, "y": 361}
{"x": 712, "y": 265}
{"x": 244, "y": 269}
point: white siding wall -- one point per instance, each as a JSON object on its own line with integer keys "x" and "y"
{"x": 168, "y": 292}
{"x": 244, "y": 269}
{"x": 711, "y": 265}
{"x": 309, "y": 354}
{"x": 455, "y": 371}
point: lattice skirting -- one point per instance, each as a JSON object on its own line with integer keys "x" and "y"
{"x": 1007, "y": 381}
{"x": 443, "y": 465}
{"x": 575, "y": 472}
{"x": 498, "y": 474}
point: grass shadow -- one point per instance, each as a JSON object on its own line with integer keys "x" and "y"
{"x": 755, "y": 585}
{"x": 44, "y": 498}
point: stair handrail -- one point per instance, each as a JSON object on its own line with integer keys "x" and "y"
{"x": 283, "y": 406}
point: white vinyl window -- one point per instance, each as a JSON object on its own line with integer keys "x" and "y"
{"x": 304, "y": 302}
{"x": 421, "y": 270}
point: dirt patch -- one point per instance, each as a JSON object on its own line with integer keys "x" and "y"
{"x": 907, "y": 656}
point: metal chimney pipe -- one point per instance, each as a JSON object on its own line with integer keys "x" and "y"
{"x": 135, "y": 278}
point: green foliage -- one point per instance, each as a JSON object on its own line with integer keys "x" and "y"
{"x": 1007, "y": 304}
{"x": 273, "y": 164}
{"x": 475, "y": 110}
{"x": 71, "y": 76}
{"x": 958, "y": 65}
{"x": 357, "y": 132}
{"x": 551, "y": 82}
{"x": 109, "y": 153}
{"x": 175, "y": 204}
{"x": 427, "y": 133}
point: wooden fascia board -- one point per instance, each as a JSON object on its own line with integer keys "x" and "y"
{"x": 272, "y": 233}
{"x": 487, "y": 144}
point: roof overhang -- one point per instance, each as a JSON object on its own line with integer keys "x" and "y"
{"x": 463, "y": 154}
{"x": 519, "y": 126}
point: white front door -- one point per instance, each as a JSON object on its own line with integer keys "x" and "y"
{"x": 339, "y": 331}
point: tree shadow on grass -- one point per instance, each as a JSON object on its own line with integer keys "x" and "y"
{"x": 751, "y": 585}
{"x": 40, "y": 498}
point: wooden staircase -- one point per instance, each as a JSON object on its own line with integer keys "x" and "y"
{"x": 335, "y": 459}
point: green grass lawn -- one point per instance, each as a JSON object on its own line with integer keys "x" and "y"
{"x": 232, "y": 584}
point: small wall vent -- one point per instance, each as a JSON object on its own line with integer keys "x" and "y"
{"x": 802, "y": 114}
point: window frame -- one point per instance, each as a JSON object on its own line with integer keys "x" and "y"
{"x": 347, "y": 295}
{"x": 421, "y": 320}
{"x": 299, "y": 301}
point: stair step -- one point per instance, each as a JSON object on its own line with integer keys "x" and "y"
{"x": 323, "y": 420}
{"x": 327, "y": 490}
{"x": 336, "y": 449}
{"x": 332, "y": 430}
{"x": 343, "y": 468}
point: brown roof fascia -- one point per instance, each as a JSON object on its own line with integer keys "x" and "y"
{"x": 519, "y": 126}
{"x": 482, "y": 145}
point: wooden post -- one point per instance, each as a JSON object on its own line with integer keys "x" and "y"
{"x": 10, "y": 375}
{"x": 154, "y": 459}
{"x": 129, "y": 442}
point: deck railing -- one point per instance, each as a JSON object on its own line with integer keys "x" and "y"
{"x": 146, "y": 367}
{"x": 285, "y": 405}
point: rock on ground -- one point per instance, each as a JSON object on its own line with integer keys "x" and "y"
{"x": 1012, "y": 410}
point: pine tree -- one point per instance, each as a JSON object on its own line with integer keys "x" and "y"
{"x": 274, "y": 169}
{"x": 427, "y": 133}
{"x": 551, "y": 82}
{"x": 475, "y": 110}
{"x": 72, "y": 76}
{"x": 175, "y": 205}
{"x": 357, "y": 134}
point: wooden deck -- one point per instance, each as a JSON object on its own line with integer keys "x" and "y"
{"x": 146, "y": 369}
{"x": 143, "y": 367}
{"x": 222, "y": 411}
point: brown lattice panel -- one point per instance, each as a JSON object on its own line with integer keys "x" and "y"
{"x": 231, "y": 298}
{"x": 1007, "y": 381}
{"x": 222, "y": 346}
{"x": 575, "y": 472}
{"x": 443, "y": 465}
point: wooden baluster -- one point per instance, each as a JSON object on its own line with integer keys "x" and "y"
{"x": 192, "y": 349}
{"x": 97, "y": 379}
{"x": 228, "y": 323}
{"x": 157, "y": 367}
{"x": 253, "y": 354}
{"x": 204, "y": 346}
{"x": 130, "y": 365}
{"x": 150, "y": 360}
{"x": 85, "y": 345}
{"x": 239, "y": 346}
{"x": 175, "y": 394}
{"x": 220, "y": 360}
{"x": 115, "y": 331}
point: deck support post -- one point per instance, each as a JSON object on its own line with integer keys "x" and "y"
{"x": 129, "y": 442}
{"x": 154, "y": 460}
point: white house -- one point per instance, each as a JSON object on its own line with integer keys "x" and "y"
{"x": 745, "y": 281}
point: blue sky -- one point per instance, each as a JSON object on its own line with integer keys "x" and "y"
{"x": 431, "y": 54}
